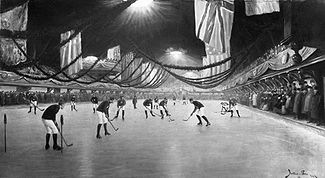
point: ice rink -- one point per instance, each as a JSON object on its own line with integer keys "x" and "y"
{"x": 250, "y": 147}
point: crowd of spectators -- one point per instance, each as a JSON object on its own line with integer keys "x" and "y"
{"x": 16, "y": 98}
{"x": 302, "y": 102}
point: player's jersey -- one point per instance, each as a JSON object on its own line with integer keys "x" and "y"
{"x": 50, "y": 112}
{"x": 73, "y": 99}
{"x": 103, "y": 107}
{"x": 147, "y": 102}
{"x": 198, "y": 105}
{"x": 156, "y": 100}
{"x": 94, "y": 100}
{"x": 33, "y": 98}
{"x": 121, "y": 102}
{"x": 163, "y": 103}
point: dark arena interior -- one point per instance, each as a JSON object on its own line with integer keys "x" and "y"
{"x": 162, "y": 88}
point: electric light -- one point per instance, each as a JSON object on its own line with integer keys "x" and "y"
{"x": 142, "y": 4}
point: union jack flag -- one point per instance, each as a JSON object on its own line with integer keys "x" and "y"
{"x": 213, "y": 21}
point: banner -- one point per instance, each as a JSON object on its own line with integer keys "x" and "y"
{"x": 13, "y": 20}
{"x": 213, "y": 23}
{"x": 114, "y": 54}
{"x": 258, "y": 7}
{"x": 70, "y": 51}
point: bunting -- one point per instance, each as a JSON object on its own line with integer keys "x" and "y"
{"x": 126, "y": 71}
{"x": 258, "y": 7}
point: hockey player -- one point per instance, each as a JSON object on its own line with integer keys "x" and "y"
{"x": 134, "y": 101}
{"x": 174, "y": 100}
{"x": 148, "y": 103}
{"x": 33, "y": 103}
{"x": 120, "y": 106}
{"x": 103, "y": 116}
{"x": 163, "y": 107}
{"x": 156, "y": 103}
{"x": 73, "y": 103}
{"x": 94, "y": 100}
{"x": 184, "y": 100}
{"x": 199, "y": 110}
{"x": 49, "y": 121}
{"x": 233, "y": 106}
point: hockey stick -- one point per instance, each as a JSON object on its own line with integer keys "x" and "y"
{"x": 118, "y": 110}
{"x": 116, "y": 129}
{"x": 187, "y": 118}
{"x": 170, "y": 119}
{"x": 65, "y": 142}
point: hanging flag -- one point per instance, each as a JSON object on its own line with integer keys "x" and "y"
{"x": 114, "y": 54}
{"x": 213, "y": 22}
{"x": 70, "y": 51}
{"x": 14, "y": 20}
{"x": 214, "y": 56}
{"x": 258, "y": 7}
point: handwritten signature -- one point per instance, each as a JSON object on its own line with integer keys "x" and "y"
{"x": 299, "y": 174}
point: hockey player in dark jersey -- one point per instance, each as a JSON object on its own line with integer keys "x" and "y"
{"x": 120, "y": 106}
{"x": 49, "y": 121}
{"x": 33, "y": 103}
{"x": 148, "y": 107}
{"x": 73, "y": 103}
{"x": 134, "y": 101}
{"x": 156, "y": 103}
{"x": 199, "y": 110}
{"x": 94, "y": 100}
{"x": 163, "y": 107}
{"x": 103, "y": 116}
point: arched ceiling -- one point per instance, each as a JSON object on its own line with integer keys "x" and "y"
{"x": 106, "y": 23}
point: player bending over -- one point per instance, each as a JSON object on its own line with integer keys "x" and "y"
{"x": 94, "y": 100}
{"x": 50, "y": 124}
{"x": 120, "y": 106}
{"x": 199, "y": 110}
{"x": 163, "y": 107}
{"x": 148, "y": 103}
{"x": 103, "y": 116}
{"x": 233, "y": 106}
{"x": 73, "y": 103}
